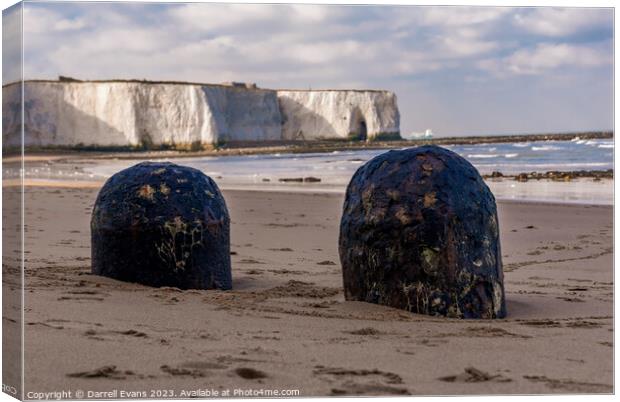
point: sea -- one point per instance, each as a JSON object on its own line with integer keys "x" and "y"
{"x": 335, "y": 169}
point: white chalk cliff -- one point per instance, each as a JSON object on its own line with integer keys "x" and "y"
{"x": 135, "y": 113}
{"x": 321, "y": 114}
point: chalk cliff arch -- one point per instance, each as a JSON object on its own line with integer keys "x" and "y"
{"x": 358, "y": 127}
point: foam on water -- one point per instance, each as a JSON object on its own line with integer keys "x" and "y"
{"x": 546, "y": 148}
{"x": 482, "y": 156}
{"x": 263, "y": 172}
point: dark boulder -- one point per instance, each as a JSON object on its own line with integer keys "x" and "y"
{"x": 419, "y": 232}
{"x": 161, "y": 224}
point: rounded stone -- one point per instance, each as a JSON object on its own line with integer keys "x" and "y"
{"x": 161, "y": 224}
{"x": 419, "y": 232}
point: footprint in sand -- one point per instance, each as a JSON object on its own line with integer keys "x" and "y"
{"x": 132, "y": 332}
{"x": 320, "y": 305}
{"x": 543, "y": 323}
{"x": 43, "y": 324}
{"x": 410, "y": 352}
{"x": 487, "y": 332}
{"x": 361, "y": 382}
{"x": 181, "y": 372}
{"x": 80, "y": 298}
{"x": 571, "y": 299}
{"x": 583, "y": 324}
{"x": 353, "y": 388}
{"x": 472, "y": 374}
{"x": 249, "y": 373}
{"x": 85, "y": 292}
{"x": 250, "y": 261}
{"x": 104, "y": 372}
{"x": 570, "y": 385}
{"x": 432, "y": 342}
{"x": 105, "y": 335}
{"x": 192, "y": 369}
{"x": 364, "y": 331}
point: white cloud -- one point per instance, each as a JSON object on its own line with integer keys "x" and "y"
{"x": 464, "y": 45}
{"x": 462, "y": 16}
{"x": 548, "y": 56}
{"x": 69, "y": 25}
{"x": 220, "y": 16}
{"x": 12, "y": 44}
{"x": 244, "y": 19}
{"x": 199, "y": 42}
{"x": 397, "y": 48}
{"x": 562, "y": 21}
{"x": 453, "y": 32}
{"x": 47, "y": 22}
{"x": 325, "y": 43}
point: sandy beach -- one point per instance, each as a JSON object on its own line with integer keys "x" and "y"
{"x": 286, "y": 326}
{"x": 474, "y": 146}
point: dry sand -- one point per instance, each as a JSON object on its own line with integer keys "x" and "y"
{"x": 286, "y": 324}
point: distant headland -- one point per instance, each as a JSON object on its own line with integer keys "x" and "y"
{"x": 231, "y": 118}
{"x": 166, "y": 114}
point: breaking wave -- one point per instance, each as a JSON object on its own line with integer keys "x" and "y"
{"x": 546, "y": 148}
{"x": 481, "y": 156}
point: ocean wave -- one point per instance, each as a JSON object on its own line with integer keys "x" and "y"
{"x": 546, "y": 148}
{"x": 511, "y": 155}
{"x": 521, "y": 144}
{"x": 479, "y": 156}
{"x": 606, "y": 145}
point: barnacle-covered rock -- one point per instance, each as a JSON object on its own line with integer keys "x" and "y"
{"x": 161, "y": 224}
{"x": 419, "y": 232}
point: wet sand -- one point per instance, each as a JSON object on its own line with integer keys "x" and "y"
{"x": 286, "y": 324}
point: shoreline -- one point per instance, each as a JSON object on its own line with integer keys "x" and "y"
{"x": 88, "y": 170}
{"x": 312, "y": 189}
{"x": 287, "y": 147}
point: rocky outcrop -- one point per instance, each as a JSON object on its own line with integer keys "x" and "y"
{"x": 311, "y": 115}
{"x": 72, "y": 113}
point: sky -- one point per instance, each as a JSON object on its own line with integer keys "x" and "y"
{"x": 455, "y": 70}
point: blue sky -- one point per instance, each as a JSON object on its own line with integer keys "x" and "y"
{"x": 456, "y": 70}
